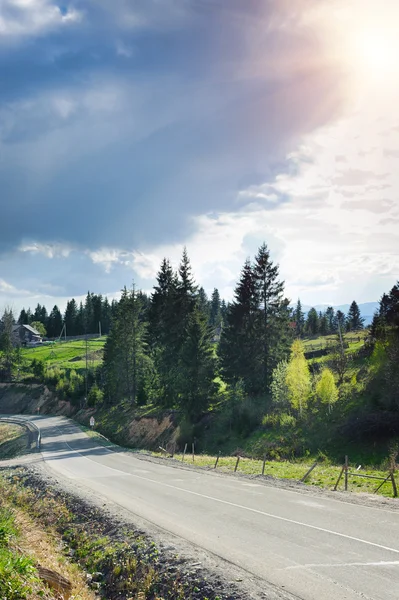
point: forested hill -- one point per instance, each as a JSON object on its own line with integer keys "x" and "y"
{"x": 242, "y": 365}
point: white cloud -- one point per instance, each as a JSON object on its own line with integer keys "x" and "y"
{"x": 50, "y": 250}
{"x": 21, "y": 18}
{"x": 7, "y": 290}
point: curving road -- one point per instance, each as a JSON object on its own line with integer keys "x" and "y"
{"x": 316, "y": 548}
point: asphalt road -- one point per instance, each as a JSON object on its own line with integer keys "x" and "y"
{"x": 316, "y": 548}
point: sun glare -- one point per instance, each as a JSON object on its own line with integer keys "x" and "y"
{"x": 377, "y": 52}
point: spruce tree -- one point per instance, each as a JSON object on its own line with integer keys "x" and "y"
{"x": 312, "y": 322}
{"x": 215, "y": 317}
{"x": 70, "y": 317}
{"x": 7, "y": 341}
{"x": 299, "y": 317}
{"x": 197, "y": 366}
{"x": 124, "y": 352}
{"x": 23, "y": 318}
{"x": 54, "y": 323}
{"x": 330, "y": 316}
{"x": 163, "y": 324}
{"x": 238, "y": 344}
{"x": 272, "y": 317}
{"x": 354, "y": 319}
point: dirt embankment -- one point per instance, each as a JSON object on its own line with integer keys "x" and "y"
{"x": 121, "y": 423}
{"x": 32, "y": 399}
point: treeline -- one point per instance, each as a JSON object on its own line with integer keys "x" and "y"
{"x": 384, "y": 384}
{"x": 165, "y": 351}
{"x": 79, "y": 318}
{"x": 95, "y": 314}
{"x": 327, "y": 322}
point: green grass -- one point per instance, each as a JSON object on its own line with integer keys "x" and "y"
{"x": 324, "y": 475}
{"x": 327, "y": 341}
{"x": 9, "y": 432}
{"x": 17, "y": 572}
{"x": 68, "y": 355}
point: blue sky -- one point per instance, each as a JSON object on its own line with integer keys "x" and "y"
{"x": 129, "y": 129}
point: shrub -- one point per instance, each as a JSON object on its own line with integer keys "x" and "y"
{"x": 38, "y": 368}
{"x": 288, "y": 421}
{"x": 95, "y": 396}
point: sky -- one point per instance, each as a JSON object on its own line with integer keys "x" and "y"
{"x": 132, "y": 128}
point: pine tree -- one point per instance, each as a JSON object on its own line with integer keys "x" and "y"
{"x": 273, "y": 322}
{"x": 163, "y": 324}
{"x": 70, "y": 317}
{"x": 330, "y": 316}
{"x": 215, "y": 317}
{"x": 124, "y": 352}
{"x": 354, "y": 319}
{"x": 88, "y": 314}
{"x": 106, "y": 316}
{"x": 197, "y": 366}
{"x": 54, "y": 323}
{"x": 238, "y": 351}
{"x": 23, "y": 318}
{"x": 203, "y": 303}
{"x": 7, "y": 341}
{"x": 323, "y": 324}
{"x": 312, "y": 322}
{"x": 299, "y": 317}
{"x": 80, "y": 320}
{"x": 340, "y": 321}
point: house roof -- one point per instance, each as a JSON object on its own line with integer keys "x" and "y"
{"x": 28, "y": 327}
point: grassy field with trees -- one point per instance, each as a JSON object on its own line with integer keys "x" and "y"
{"x": 253, "y": 374}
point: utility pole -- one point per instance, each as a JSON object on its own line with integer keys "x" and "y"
{"x": 86, "y": 382}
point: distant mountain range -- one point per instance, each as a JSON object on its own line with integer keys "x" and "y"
{"x": 367, "y": 309}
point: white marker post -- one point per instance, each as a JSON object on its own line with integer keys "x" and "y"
{"x": 92, "y": 422}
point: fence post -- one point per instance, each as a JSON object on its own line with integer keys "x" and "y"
{"x": 193, "y": 450}
{"x": 217, "y": 460}
{"x": 238, "y": 460}
{"x": 184, "y": 453}
{"x": 309, "y": 472}
{"x": 339, "y": 479}
{"x": 394, "y": 488}
{"x": 346, "y": 473}
{"x": 264, "y": 465}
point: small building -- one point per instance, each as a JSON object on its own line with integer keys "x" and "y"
{"x": 25, "y": 335}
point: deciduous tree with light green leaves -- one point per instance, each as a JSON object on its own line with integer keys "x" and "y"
{"x": 298, "y": 378}
{"x": 326, "y": 389}
{"x": 278, "y": 387}
{"x": 39, "y": 327}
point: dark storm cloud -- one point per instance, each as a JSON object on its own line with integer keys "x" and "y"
{"x": 107, "y": 148}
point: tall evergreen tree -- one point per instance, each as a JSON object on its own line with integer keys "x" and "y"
{"x": 124, "y": 352}
{"x": 54, "y": 323}
{"x": 312, "y": 322}
{"x": 223, "y": 310}
{"x": 272, "y": 316}
{"x": 215, "y": 316}
{"x": 197, "y": 366}
{"x": 299, "y": 317}
{"x": 163, "y": 322}
{"x": 23, "y": 318}
{"x": 70, "y": 317}
{"x": 340, "y": 321}
{"x": 355, "y": 320}
{"x": 323, "y": 323}
{"x": 203, "y": 302}
{"x": 8, "y": 354}
{"x": 80, "y": 320}
{"x": 238, "y": 343}
{"x": 330, "y": 316}
{"x": 106, "y": 316}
